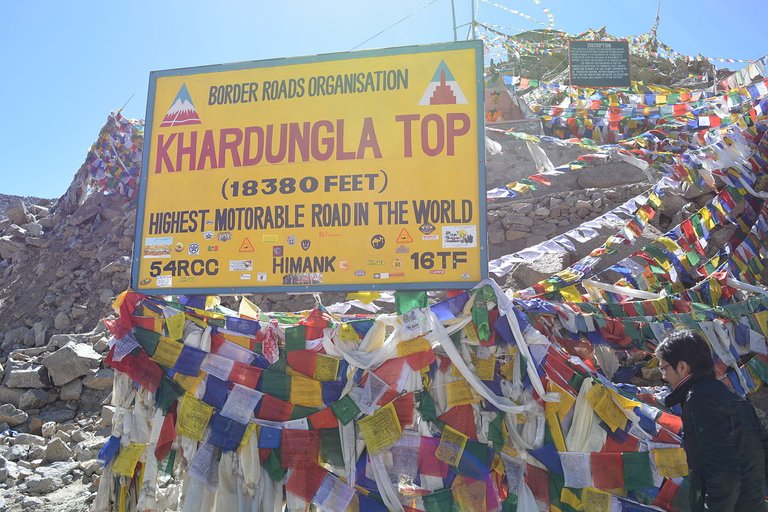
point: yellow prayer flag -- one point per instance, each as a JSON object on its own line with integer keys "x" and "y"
{"x": 125, "y": 463}
{"x": 451, "y": 446}
{"x": 364, "y": 297}
{"x": 211, "y": 301}
{"x": 188, "y": 382}
{"x": 563, "y": 406}
{"x": 668, "y": 243}
{"x": 413, "y": 346}
{"x": 193, "y": 417}
{"x": 469, "y": 494}
{"x": 251, "y": 429}
{"x": 596, "y": 500}
{"x": 306, "y": 392}
{"x": 175, "y": 325}
{"x": 167, "y": 352}
{"x": 606, "y": 408}
{"x": 382, "y": 429}
{"x": 670, "y": 462}
{"x": 459, "y": 392}
{"x": 326, "y": 368}
{"x": 349, "y": 334}
{"x": 118, "y": 302}
{"x": 571, "y": 294}
{"x": 557, "y": 432}
{"x": 568, "y": 497}
{"x": 471, "y": 333}
{"x": 485, "y": 368}
{"x": 762, "y": 321}
{"x": 200, "y": 322}
{"x": 622, "y": 401}
{"x": 248, "y": 310}
{"x": 238, "y": 339}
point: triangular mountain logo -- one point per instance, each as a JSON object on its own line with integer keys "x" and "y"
{"x": 182, "y": 112}
{"x": 443, "y": 89}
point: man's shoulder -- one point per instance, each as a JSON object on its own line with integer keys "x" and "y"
{"x": 709, "y": 390}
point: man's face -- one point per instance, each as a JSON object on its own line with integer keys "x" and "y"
{"x": 672, "y": 374}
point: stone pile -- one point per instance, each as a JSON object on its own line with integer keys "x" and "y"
{"x": 54, "y": 418}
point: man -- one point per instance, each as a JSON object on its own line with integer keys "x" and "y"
{"x": 722, "y": 436}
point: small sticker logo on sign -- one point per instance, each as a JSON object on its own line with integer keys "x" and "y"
{"x": 246, "y": 246}
{"x": 378, "y": 241}
{"x": 404, "y": 237}
{"x": 427, "y": 228}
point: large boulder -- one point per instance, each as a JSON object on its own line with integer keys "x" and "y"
{"x": 17, "y": 212}
{"x": 20, "y": 374}
{"x": 11, "y": 415}
{"x": 71, "y": 361}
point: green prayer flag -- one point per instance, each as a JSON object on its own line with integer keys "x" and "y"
{"x": 330, "y": 447}
{"x": 345, "y": 409}
{"x": 480, "y": 317}
{"x": 166, "y": 465}
{"x": 406, "y": 301}
{"x": 427, "y": 406}
{"x": 300, "y": 411}
{"x": 509, "y": 504}
{"x": 759, "y": 368}
{"x": 295, "y": 338}
{"x": 682, "y": 502}
{"x": 556, "y": 484}
{"x": 272, "y": 465}
{"x": 147, "y": 339}
{"x": 168, "y": 392}
{"x": 439, "y": 501}
{"x": 496, "y": 433}
{"x": 281, "y": 363}
{"x": 637, "y": 470}
{"x": 276, "y": 384}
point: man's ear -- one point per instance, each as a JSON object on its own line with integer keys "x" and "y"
{"x": 683, "y": 368}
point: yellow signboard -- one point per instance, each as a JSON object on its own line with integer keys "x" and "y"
{"x": 350, "y": 171}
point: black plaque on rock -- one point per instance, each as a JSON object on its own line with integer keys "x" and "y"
{"x": 599, "y": 63}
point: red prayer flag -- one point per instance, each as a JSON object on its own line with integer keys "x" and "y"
{"x": 274, "y": 409}
{"x": 666, "y": 497}
{"x": 303, "y": 361}
{"x": 245, "y": 374}
{"x": 538, "y": 481}
{"x": 323, "y": 419}
{"x": 404, "y": 408}
{"x": 217, "y": 340}
{"x": 630, "y": 444}
{"x": 167, "y": 434}
{"x": 304, "y": 481}
{"x": 461, "y": 418}
{"x": 607, "y": 470}
{"x": 299, "y": 448}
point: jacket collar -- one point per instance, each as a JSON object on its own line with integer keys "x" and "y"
{"x": 679, "y": 393}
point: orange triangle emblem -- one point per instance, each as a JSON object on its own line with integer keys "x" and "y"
{"x": 404, "y": 237}
{"x": 246, "y": 246}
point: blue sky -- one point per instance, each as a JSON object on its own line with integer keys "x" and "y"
{"x": 67, "y": 65}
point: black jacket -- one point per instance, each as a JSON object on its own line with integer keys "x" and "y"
{"x": 723, "y": 439}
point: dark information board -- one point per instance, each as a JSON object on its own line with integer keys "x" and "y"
{"x": 599, "y": 63}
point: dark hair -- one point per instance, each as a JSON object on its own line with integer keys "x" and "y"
{"x": 687, "y": 345}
